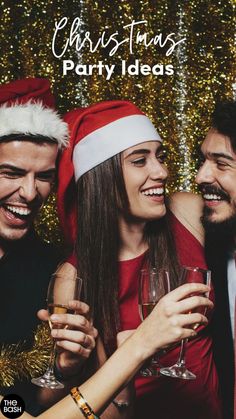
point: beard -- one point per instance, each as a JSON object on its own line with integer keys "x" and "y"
{"x": 221, "y": 232}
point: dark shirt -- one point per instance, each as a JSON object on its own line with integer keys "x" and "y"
{"x": 223, "y": 346}
{"x": 25, "y": 271}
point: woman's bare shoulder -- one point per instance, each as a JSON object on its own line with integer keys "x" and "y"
{"x": 187, "y": 207}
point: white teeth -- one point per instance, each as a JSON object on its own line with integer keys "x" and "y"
{"x": 212, "y": 197}
{"x": 156, "y": 191}
{"x": 18, "y": 210}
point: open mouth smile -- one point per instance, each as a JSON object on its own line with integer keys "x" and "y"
{"x": 212, "y": 197}
{"x": 153, "y": 192}
{"x": 15, "y": 210}
{"x": 16, "y": 215}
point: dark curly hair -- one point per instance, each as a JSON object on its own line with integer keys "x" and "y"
{"x": 224, "y": 120}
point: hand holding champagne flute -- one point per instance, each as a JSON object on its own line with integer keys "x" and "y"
{"x": 198, "y": 276}
{"x": 61, "y": 290}
{"x": 166, "y": 324}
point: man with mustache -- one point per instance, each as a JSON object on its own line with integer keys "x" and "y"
{"x": 217, "y": 181}
{"x": 31, "y": 134}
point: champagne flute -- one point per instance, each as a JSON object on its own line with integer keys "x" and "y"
{"x": 60, "y": 291}
{"x": 189, "y": 275}
{"x": 153, "y": 285}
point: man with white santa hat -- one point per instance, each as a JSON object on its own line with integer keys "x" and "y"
{"x": 31, "y": 134}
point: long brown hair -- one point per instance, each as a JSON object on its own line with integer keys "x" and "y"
{"x": 101, "y": 196}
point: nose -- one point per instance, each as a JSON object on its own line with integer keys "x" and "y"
{"x": 28, "y": 189}
{"x": 158, "y": 171}
{"x": 205, "y": 174}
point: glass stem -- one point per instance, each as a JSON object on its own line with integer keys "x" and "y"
{"x": 155, "y": 360}
{"x": 181, "y": 360}
{"x": 52, "y": 357}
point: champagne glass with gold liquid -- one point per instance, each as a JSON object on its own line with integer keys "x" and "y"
{"x": 179, "y": 369}
{"x": 61, "y": 290}
{"x": 153, "y": 285}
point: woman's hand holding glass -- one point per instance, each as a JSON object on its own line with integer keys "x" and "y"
{"x": 189, "y": 275}
{"x": 173, "y": 318}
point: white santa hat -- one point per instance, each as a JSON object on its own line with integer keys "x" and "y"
{"x": 97, "y": 133}
{"x": 27, "y": 108}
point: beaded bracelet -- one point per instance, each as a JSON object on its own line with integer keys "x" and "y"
{"x": 82, "y": 404}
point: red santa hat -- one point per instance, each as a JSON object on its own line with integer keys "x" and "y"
{"x": 97, "y": 133}
{"x": 27, "y": 107}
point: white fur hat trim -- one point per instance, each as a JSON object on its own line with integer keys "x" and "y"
{"x": 34, "y": 119}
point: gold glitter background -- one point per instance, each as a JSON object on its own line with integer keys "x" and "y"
{"x": 179, "y": 105}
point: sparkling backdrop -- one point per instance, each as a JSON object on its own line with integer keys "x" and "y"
{"x": 178, "y": 104}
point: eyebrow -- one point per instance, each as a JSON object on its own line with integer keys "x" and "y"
{"x": 143, "y": 151}
{"x": 219, "y": 155}
{"x": 18, "y": 169}
{"x": 11, "y": 167}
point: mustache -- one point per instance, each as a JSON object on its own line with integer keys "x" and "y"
{"x": 210, "y": 189}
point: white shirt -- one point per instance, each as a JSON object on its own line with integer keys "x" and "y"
{"x": 231, "y": 277}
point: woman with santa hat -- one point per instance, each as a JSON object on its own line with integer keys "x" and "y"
{"x": 112, "y": 207}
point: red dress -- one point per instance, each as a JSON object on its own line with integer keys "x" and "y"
{"x": 164, "y": 397}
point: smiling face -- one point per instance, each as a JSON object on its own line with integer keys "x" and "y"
{"x": 145, "y": 176}
{"x": 217, "y": 178}
{"x": 27, "y": 171}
